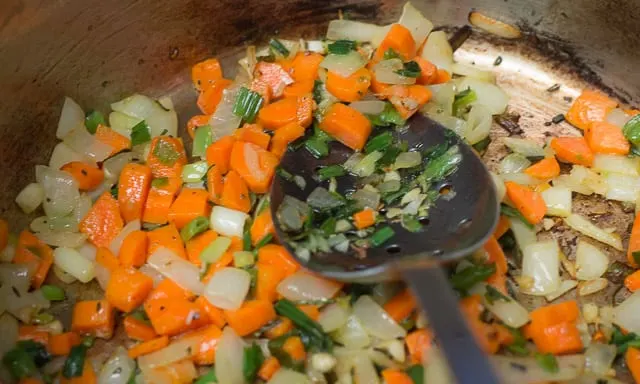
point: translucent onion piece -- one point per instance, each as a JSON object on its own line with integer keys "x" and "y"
{"x": 438, "y": 51}
{"x": 286, "y": 376}
{"x": 591, "y": 262}
{"x": 62, "y": 155}
{"x": 156, "y": 276}
{"x": 118, "y": 369}
{"x": 72, "y": 262}
{"x": 103, "y": 275}
{"x": 332, "y": 317}
{"x": 71, "y": 117}
{"x": 368, "y": 107}
{"x": 122, "y": 123}
{"x": 510, "y": 312}
{"x": 618, "y": 117}
{"x": 493, "y": 26}
{"x": 624, "y": 165}
{"x": 177, "y": 350}
{"x": 228, "y": 288}
{"x": 586, "y": 288}
{"x": 526, "y": 147}
{"x": 586, "y": 227}
{"x": 416, "y": 23}
{"x": 436, "y": 369}
{"x": 62, "y": 239}
{"x": 521, "y": 178}
{"x": 81, "y": 141}
{"x": 488, "y": 95}
{"x": 179, "y": 270}
{"x": 376, "y": 320}
{"x": 622, "y": 187}
{"x": 527, "y": 370}
{"x": 229, "y": 358}
{"x": 116, "y": 243}
{"x": 60, "y": 190}
{"x": 30, "y": 197}
{"x": 501, "y": 190}
{"x": 363, "y": 370}
{"x": 599, "y": 357}
{"x": 62, "y": 275}
{"x": 357, "y": 31}
{"x": 80, "y": 211}
{"x": 352, "y": 334}
{"x": 523, "y": 234}
{"x": 228, "y": 222}
{"x": 344, "y": 65}
{"x": 472, "y": 71}
{"x": 407, "y": 160}
{"x": 15, "y": 275}
{"x": 304, "y": 286}
{"x": 627, "y": 314}
{"x": 385, "y": 72}
{"x": 9, "y": 332}
{"x": 478, "y": 124}
{"x": 514, "y": 163}
{"x": 558, "y": 201}
{"x": 136, "y": 105}
{"x": 223, "y": 121}
{"x": 114, "y": 165}
{"x": 541, "y": 263}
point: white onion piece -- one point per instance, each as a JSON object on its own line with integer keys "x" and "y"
{"x": 618, "y": 117}
{"x": 62, "y": 275}
{"x": 179, "y": 270}
{"x": 9, "y": 331}
{"x": 156, "y": 276}
{"x": 558, "y": 201}
{"x": 332, "y": 317}
{"x": 443, "y": 96}
{"x": 228, "y": 222}
{"x": 122, "y": 123}
{"x": 81, "y": 141}
{"x": 136, "y": 105}
{"x": 83, "y": 207}
{"x": 8, "y": 253}
{"x": 591, "y": 262}
{"x": 62, "y": 155}
{"x": 472, "y": 71}
{"x": 117, "y": 241}
{"x": 564, "y": 287}
{"x": 228, "y": 288}
{"x": 357, "y": 31}
{"x": 622, "y": 187}
{"x": 71, "y": 117}
{"x": 15, "y": 275}
{"x": 599, "y": 357}
{"x": 316, "y": 46}
{"x": 416, "y": 23}
{"x": 438, "y": 51}
{"x": 161, "y": 121}
{"x": 478, "y": 124}
{"x": 286, "y": 376}
{"x": 62, "y": 239}
{"x": 376, "y": 320}
{"x": 88, "y": 251}
{"x": 523, "y": 234}
{"x": 167, "y": 103}
{"x": 627, "y": 314}
{"x": 501, "y": 189}
{"x": 586, "y": 288}
{"x": 114, "y": 165}
{"x": 488, "y": 95}
{"x": 23, "y": 305}
{"x": 385, "y": 72}
{"x": 60, "y": 190}
{"x": 363, "y": 370}
{"x": 493, "y": 26}
{"x": 526, "y": 147}
{"x": 541, "y": 263}
{"x": 368, "y": 107}
{"x": 30, "y": 197}
{"x": 352, "y": 334}
{"x": 617, "y": 164}
{"x": 305, "y": 286}
{"x": 586, "y": 227}
{"x": 223, "y": 121}
{"x": 229, "y": 357}
{"x": 436, "y": 369}
{"x": 72, "y": 262}
{"x": 343, "y": 65}
{"x": 526, "y": 370}
{"x": 521, "y": 178}
{"x": 510, "y": 312}
{"x": 177, "y": 350}
{"x": 103, "y": 275}
{"x": 118, "y": 369}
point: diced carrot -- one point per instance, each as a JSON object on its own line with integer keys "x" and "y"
{"x": 196, "y": 245}
{"x": 253, "y": 133}
{"x": 572, "y": 150}
{"x": 351, "y": 88}
{"x": 196, "y": 122}
{"x": 632, "y": 112}
{"x": 133, "y": 188}
{"x": 167, "y": 237}
{"x": 189, "y": 204}
{"x": 305, "y": 66}
{"x": 274, "y": 75}
{"x": 398, "y": 39}
{"x": 395, "y": 376}
{"x": 484, "y": 333}
{"x": 504, "y": 224}
{"x": 209, "y": 335}
{"x": 304, "y": 110}
{"x": 282, "y": 327}
{"x": 235, "y": 194}
{"x": 113, "y": 139}
{"x": 181, "y": 372}
{"x": 88, "y": 375}
{"x": 496, "y": 255}
{"x": 299, "y": 88}
{"x": 37, "y": 255}
{"x": 4, "y": 234}
{"x": 553, "y": 328}
{"x": 408, "y": 98}
{"x": 278, "y": 256}
{"x": 400, "y": 306}
{"x": 347, "y": 125}
{"x": 138, "y": 330}
{"x": 219, "y": 153}
{"x": 263, "y": 89}
{"x": 166, "y": 157}
{"x": 254, "y": 164}
{"x": 88, "y": 176}
{"x": 294, "y": 348}
{"x": 159, "y": 200}
{"x": 93, "y": 317}
{"x": 599, "y": 336}
{"x": 61, "y": 344}
{"x": 604, "y": 137}
{"x": 428, "y": 71}
{"x": 172, "y": 311}
{"x": 107, "y": 259}
{"x": 634, "y": 242}
{"x": 210, "y": 97}
{"x": 32, "y": 332}
{"x": 262, "y": 226}
{"x": 365, "y": 218}
{"x": 252, "y": 316}
{"x": 310, "y": 310}
{"x": 225, "y": 260}
{"x": 128, "y": 288}
{"x": 632, "y": 359}
{"x": 589, "y": 107}
{"x": 529, "y": 203}
{"x": 418, "y": 343}
{"x": 146, "y": 347}
{"x": 215, "y": 184}
{"x": 205, "y": 73}
{"x": 284, "y": 136}
{"x": 547, "y": 168}
{"x": 215, "y": 314}
{"x": 442, "y": 76}
{"x": 377, "y": 87}
{"x": 268, "y": 368}
{"x": 133, "y": 252}
{"x": 285, "y": 111}
{"x": 103, "y": 222}
{"x": 632, "y": 282}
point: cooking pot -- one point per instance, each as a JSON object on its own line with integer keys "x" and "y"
{"x": 101, "y": 51}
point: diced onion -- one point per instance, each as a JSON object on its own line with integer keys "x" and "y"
{"x": 586, "y": 288}
{"x": 526, "y": 147}
{"x": 368, "y": 107}
{"x": 224, "y": 122}
{"x": 375, "y": 320}
{"x": 177, "y": 350}
{"x": 83, "y": 207}
{"x": 81, "y": 141}
{"x": 436, "y": 369}
{"x": 118, "y": 369}
{"x": 60, "y": 190}
{"x": 386, "y": 72}
{"x": 564, "y": 287}
{"x": 332, "y": 317}
{"x": 30, "y": 197}
{"x": 478, "y": 124}
{"x": 286, "y": 376}
{"x": 116, "y": 243}
{"x": 527, "y": 370}
{"x": 352, "y": 334}
{"x": 514, "y": 163}
{"x": 62, "y": 275}
{"x": 627, "y": 314}
{"x": 122, "y": 123}
{"x": 114, "y": 165}
{"x": 599, "y": 357}
{"x": 472, "y": 71}
{"x": 617, "y": 164}
{"x": 103, "y": 275}
{"x": 229, "y": 357}
{"x": 407, "y": 160}
{"x": 228, "y": 222}
{"x": 316, "y": 46}
{"x": 367, "y": 165}
{"x": 9, "y": 331}
{"x": 72, "y": 262}
{"x": 153, "y": 113}
{"x": 179, "y": 270}
{"x": 541, "y": 263}
{"x": 586, "y": 227}
{"x": 493, "y": 26}
{"x": 156, "y": 276}
{"x": 62, "y": 239}
{"x": 305, "y": 286}
{"x": 524, "y": 234}
{"x": 521, "y": 178}
{"x": 363, "y": 370}
{"x": 357, "y": 31}
{"x": 510, "y": 312}
{"x": 443, "y": 96}
{"x": 618, "y": 117}
{"x": 622, "y": 187}
{"x": 438, "y": 50}
{"x": 62, "y": 155}
{"x": 501, "y": 190}
{"x": 366, "y": 198}
{"x": 228, "y": 288}
{"x": 71, "y": 117}
{"x": 591, "y": 262}
{"x": 558, "y": 201}
{"x": 344, "y": 65}
{"x": 416, "y": 23}
{"x": 488, "y": 95}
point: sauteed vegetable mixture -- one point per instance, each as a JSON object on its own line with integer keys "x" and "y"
{"x": 197, "y": 288}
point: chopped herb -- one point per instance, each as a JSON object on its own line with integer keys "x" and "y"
{"x": 388, "y": 156}
{"x": 442, "y": 166}
{"x": 194, "y": 228}
{"x": 390, "y": 54}
{"x": 329, "y": 226}
{"x": 492, "y": 295}
{"x": 246, "y": 238}
{"x": 468, "y": 277}
{"x": 497, "y": 61}
{"x": 557, "y": 119}
{"x": 52, "y": 292}
{"x": 410, "y": 69}
{"x": 379, "y": 142}
{"x": 416, "y": 373}
{"x": 166, "y": 153}
{"x": 519, "y": 344}
{"x": 288, "y": 176}
{"x": 514, "y": 213}
{"x": 208, "y": 378}
{"x": 381, "y": 236}
{"x": 300, "y": 319}
{"x": 462, "y": 100}
{"x": 318, "y": 143}
{"x": 19, "y": 363}
{"x": 140, "y": 134}
{"x": 251, "y": 361}
{"x": 341, "y": 47}
{"x": 410, "y": 223}
{"x": 388, "y": 117}
{"x": 278, "y": 48}
{"x": 74, "y": 364}
{"x": 624, "y": 341}
{"x": 160, "y": 182}
{"x": 330, "y": 171}
{"x": 631, "y": 131}
{"x": 553, "y": 88}
{"x": 93, "y": 119}
{"x": 264, "y": 241}
{"x": 247, "y": 104}
{"x": 547, "y": 362}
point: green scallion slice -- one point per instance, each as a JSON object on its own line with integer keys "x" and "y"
{"x": 194, "y": 228}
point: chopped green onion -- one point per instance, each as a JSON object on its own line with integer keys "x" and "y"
{"x": 636, "y": 256}
{"x": 214, "y": 251}
{"x": 468, "y": 277}
{"x": 416, "y": 373}
{"x": 264, "y": 241}
{"x": 381, "y": 236}
{"x": 331, "y": 171}
{"x": 379, "y": 143}
{"x": 442, "y": 166}
{"x": 194, "y": 227}
{"x": 37, "y": 351}
{"x": 462, "y": 100}
{"x": 93, "y": 119}
{"x": 243, "y": 259}
{"x": 389, "y": 156}
{"x": 140, "y": 315}
{"x": 519, "y": 344}
{"x": 42, "y": 318}
{"x": 74, "y": 365}
{"x": 329, "y": 226}
{"x": 194, "y": 172}
{"x": 410, "y": 223}
{"x": 160, "y": 182}
{"x": 246, "y": 238}
{"x": 278, "y": 48}
{"x": 631, "y": 131}
{"x": 52, "y": 292}
{"x": 288, "y": 176}
{"x": 140, "y": 134}
{"x": 289, "y": 310}
{"x": 88, "y": 341}
{"x": 410, "y": 69}
{"x": 390, "y": 54}
{"x": 247, "y": 104}
{"x": 341, "y": 47}
{"x": 202, "y": 139}
{"x": 19, "y": 363}
{"x": 316, "y": 147}
{"x": 166, "y": 153}
{"x": 547, "y": 362}
{"x": 482, "y": 144}
{"x": 208, "y": 378}
{"x": 492, "y": 295}
{"x": 514, "y": 213}
{"x": 251, "y": 361}
{"x": 389, "y": 116}
{"x": 317, "y": 91}
{"x": 114, "y": 191}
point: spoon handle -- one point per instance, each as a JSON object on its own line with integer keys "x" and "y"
{"x": 467, "y": 361}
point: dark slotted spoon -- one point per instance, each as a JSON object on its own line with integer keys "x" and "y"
{"x": 457, "y": 227}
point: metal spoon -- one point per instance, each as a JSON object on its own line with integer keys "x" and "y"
{"x": 457, "y": 227}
